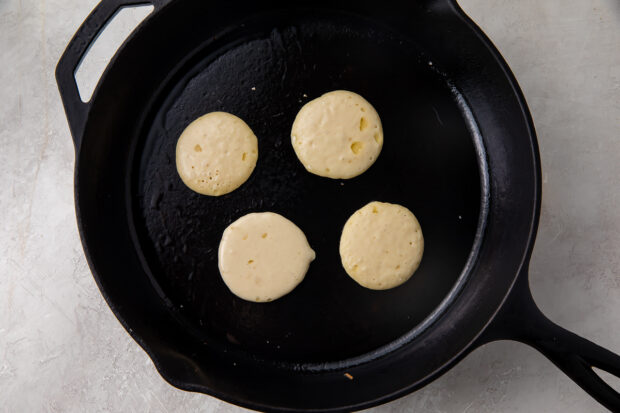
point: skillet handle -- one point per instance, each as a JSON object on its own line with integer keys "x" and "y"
{"x": 520, "y": 319}
{"x": 75, "y": 109}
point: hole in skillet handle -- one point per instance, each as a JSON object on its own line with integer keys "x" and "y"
{"x": 76, "y": 101}
{"x": 105, "y": 45}
{"x": 521, "y": 320}
{"x": 613, "y": 381}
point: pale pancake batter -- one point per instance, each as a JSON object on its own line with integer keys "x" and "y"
{"x": 216, "y": 153}
{"x": 263, "y": 256}
{"x": 381, "y": 245}
{"x": 337, "y": 135}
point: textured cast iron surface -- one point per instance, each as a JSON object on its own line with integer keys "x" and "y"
{"x": 428, "y": 164}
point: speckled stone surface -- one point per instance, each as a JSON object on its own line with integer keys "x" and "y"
{"x": 62, "y": 350}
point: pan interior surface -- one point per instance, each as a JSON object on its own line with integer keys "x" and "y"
{"x": 264, "y": 71}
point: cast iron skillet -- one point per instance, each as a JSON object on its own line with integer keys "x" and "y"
{"x": 460, "y": 152}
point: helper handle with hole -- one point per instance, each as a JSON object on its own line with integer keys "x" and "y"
{"x": 520, "y": 319}
{"x": 75, "y": 109}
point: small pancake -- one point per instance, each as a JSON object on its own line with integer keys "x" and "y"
{"x": 337, "y": 135}
{"x": 216, "y": 154}
{"x": 263, "y": 256}
{"x": 381, "y": 245}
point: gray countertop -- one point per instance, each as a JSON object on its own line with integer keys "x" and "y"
{"x": 62, "y": 349}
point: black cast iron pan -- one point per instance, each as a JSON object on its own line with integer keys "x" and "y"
{"x": 460, "y": 151}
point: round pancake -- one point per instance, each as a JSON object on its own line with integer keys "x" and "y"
{"x": 381, "y": 245}
{"x": 216, "y": 154}
{"x": 337, "y": 135}
{"x": 263, "y": 256}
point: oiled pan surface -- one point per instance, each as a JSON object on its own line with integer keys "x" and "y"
{"x": 265, "y": 75}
